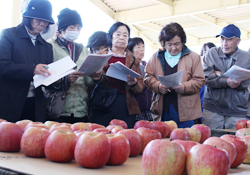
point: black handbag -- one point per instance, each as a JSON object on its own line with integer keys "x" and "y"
{"x": 103, "y": 97}
{"x": 55, "y": 99}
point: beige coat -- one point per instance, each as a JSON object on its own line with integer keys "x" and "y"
{"x": 189, "y": 106}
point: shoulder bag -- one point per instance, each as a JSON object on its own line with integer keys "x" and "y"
{"x": 103, "y": 97}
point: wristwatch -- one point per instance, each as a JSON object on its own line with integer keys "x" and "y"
{"x": 218, "y": 74}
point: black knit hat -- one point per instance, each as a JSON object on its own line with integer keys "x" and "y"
{"x": 39, "y": 9}
{"x": 68, "y": 17}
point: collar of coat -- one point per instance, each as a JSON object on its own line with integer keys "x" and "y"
{"x": 160, "y": 55}
{"x": 22, "y": 33}
{"x": 62, "y": 44}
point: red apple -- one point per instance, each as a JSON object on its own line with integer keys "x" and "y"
{"x": 110, "y": 127}
{"x": 172, "y": 125}
{"x": 247, "y": 140}
{"x": 187, "y": 144}
{"x": 120, "y": 149}
{"x": 243, "y": 132}
{"x": 119, "y": 123}
{"x": 145, "y": 124}
{"x": 60, "y": 146}
{"x": 195, "y": 134}
{"x": 23, "y": 123}
{"x": 78, "y": 133}
{"x": 2, "y": 120}
{"x": 205, "y": 131}
{"x": 241, "y": 148}
{"x": 36, "y": 124}
{"x": 117, "y": 129}
{"x": 68, "y": 124}
{"x": 180, "y": 133}
{"x": 58, "y": 126}
{"x": 207, "y": 160}
{"x": 92, "y": 150}
{"x": 94, "y": 126}
{"x": 102, "y": 130}
{"x": 10, "y": 137}
{"x": 241, "y": 124}
{"x": 163, "y": 157}
{"x": 147, "y": 135}
{"x": 248, "y": 124}
{"x": 163, "y": 128}
{"x": 134, "y": 139}
{"x": 33, "y": 141}
{"x": 81, "y": 126}
{"x": 50, "y": 123}
{"x": 223, "y": 144}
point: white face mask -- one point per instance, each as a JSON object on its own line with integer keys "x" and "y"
{"x": 71, "y": 35}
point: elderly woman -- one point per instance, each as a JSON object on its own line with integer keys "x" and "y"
{"x": 23, "y": 53}
{"x": 136, "y": 45}
{"x": 69, "y": 28}
{"x": 124, "y": 107}
{"x": 181, "y": 103}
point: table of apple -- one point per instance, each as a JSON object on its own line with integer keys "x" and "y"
{"x": 155, "y": 148}
{"x": 21, "y": 163}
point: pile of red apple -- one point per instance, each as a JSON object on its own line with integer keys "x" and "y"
{"x": 91, "y": 145}
{"x": 188, "y": 151}
{"x": 186, "y": 154}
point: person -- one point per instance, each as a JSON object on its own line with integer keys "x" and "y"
{"x": 69, "y": 28}
{"x": 206, "y": 47}
{"x": 49, "y": 31}
{"x": 180, "y": 103}
{"x": 225, "y": 99}
{"x": 124, "y": 107}
{"x": 204, "y": 50}
{"x": 97, "y": 44}
{"x": 24, "y": 53}
{"x": 136, "y": 46}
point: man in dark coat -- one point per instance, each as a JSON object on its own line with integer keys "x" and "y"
{"x": 23, "y": 53}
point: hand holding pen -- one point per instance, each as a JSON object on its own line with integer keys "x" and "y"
{"x": 42, "y": 69}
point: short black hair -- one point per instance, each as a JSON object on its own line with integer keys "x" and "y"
{"x": 27, "y": 22}
{"x": 97, "y": 40}
{"x": 169, "y": 31}
{"x": 113, "y": 29}
{"x": 133, "y": 42}
{"x": 209, "y": 45}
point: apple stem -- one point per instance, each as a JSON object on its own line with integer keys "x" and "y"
{"x": 214, "y": 146}
{"x": 170, "y": 139}
{"x": 187, "y": 138}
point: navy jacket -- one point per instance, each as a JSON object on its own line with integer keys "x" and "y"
{"x": 18, "y": 59}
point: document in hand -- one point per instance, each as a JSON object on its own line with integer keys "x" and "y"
{"x": 93, "y": 63}
{"x": 58, "y": 69}
{"x": 119, "y": 71}
{"x": 172, "y": 80}
{"x": 237, "y": 73}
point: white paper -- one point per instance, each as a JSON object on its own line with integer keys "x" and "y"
{"x": 58, "y": 69}
{"x": 119, "y": 71}
{"x": 93, "y": 63}
{"x": 237, "y": 73}
{"x": 172, "y": 80}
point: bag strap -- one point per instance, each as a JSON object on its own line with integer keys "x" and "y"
{"x": 129, "y": 68}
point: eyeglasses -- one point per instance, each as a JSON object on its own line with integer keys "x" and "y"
{"x": 101, "y": 51}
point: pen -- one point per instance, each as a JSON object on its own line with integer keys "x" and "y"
{"x": 46, "y": 67}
